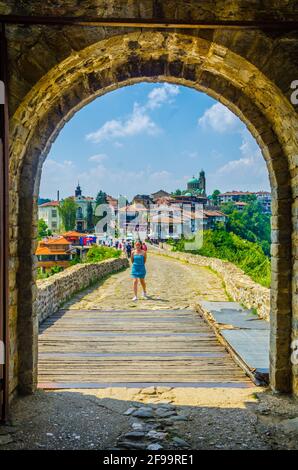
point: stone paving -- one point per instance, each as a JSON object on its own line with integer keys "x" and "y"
{"x": 171, "y": 284}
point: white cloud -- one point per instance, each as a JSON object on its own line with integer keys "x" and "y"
{"x": 161, "y": 95}
{"x": 136, "y": 123}
{"x": 248, "y": 172}
{"x": 160, "y": 175}
{"x": 114, "y": 180}
{"x": 139, "y": 121}
{"x": 193, "y": 155}
{"x": 98, "y": 158}
{"x": 219, "y": 118}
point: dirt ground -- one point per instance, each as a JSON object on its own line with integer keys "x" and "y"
{"x": 100, "y": 419}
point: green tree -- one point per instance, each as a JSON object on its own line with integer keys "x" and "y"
{"x": 99, "y": 253}
{"x": 250, "y": 223}
{"x": 90, "y": 220}
{"x": 228, "y": 246}
{"x": 214, "y": 197}
{"x": 178, "y": 192}
{"x": 43, "y": 230}
{"x": 67, "y": 210}
{"x": 249, "y": 198}
{"x": 101, "y": 198}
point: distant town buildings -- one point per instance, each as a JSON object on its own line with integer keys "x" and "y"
{"x": 159, "y": 194}
{"x": 73, "y": 237}
{"x": 155, "y": 214}
{"x": 264, "y": 197}
{"x": 113, "y": 203}
{"x": 85, "y": 205}
{"x": 54, "y": 251}
{"x": 50, "y": 214}
{"x": 197, "y": 186}
{"x": 181, "y": 222}
{"x": 232, "y": 196}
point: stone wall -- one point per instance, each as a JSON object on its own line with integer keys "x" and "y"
{"x": 56, "y": 70}
{"x": 57, "y": 289}
{"x": 239, "y": 286}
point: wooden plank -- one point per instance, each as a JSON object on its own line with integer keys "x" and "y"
{"x": 96, "y": 347}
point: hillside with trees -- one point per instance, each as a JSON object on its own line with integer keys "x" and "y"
{"x": 244, "y": 240}
{"x": 251, "y": 223}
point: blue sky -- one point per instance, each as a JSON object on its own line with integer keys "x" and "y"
{"x": 146, "y": 137}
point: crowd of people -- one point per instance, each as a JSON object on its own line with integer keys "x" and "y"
{"x": 127, "y": 246}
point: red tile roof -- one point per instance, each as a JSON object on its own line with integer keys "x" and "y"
{"x": 164, "y": 219}
{"x": 50, "y": 204}
{"x": 214, "y": 213}
{"x": 54, "y": 241}
{"x": 53, "y": 246}
{"x": 134, "y": 208}
{"x": 165, "y": 200}
{"x": 43, "y": 250}
{"x": 72, "y": 233}
{"x": 236, "y": 193}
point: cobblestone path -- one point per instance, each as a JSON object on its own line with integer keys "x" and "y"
{"x": 172, "y": 284}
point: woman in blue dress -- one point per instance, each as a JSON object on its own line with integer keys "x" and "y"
{"x": 138, "y": 270}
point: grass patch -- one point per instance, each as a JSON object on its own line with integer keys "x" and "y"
{"x": 247, "y": 255}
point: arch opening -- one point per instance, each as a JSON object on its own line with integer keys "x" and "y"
{"x": 123, "y": 61}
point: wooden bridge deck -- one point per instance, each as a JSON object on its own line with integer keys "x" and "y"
{"x": 95, "y": 348}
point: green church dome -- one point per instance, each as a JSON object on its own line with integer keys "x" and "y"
{"x": 193, "y": 180}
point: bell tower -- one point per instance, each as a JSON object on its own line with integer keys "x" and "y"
{"x": 202, "y": 182}
{"x": 78, "y": 191}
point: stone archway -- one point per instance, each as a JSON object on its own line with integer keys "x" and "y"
{"x": 127, "y": 59}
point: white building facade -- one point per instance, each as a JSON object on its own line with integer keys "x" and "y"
{"x": 49, "y": 212}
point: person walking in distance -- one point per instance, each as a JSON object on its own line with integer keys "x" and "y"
{"x": 128, "y": 249}
{"x": 138, "y": 270}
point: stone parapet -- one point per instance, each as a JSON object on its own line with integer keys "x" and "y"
{"x": 240, "y": 287}
{"x": 57, "y": 289}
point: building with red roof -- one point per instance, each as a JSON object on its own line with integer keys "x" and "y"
{"x": 54, "y": 251}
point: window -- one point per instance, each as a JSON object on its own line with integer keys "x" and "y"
{"x": 63, "y": 257}
{"x": 54, "y": 224}
{"x": 54, "y": 213}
